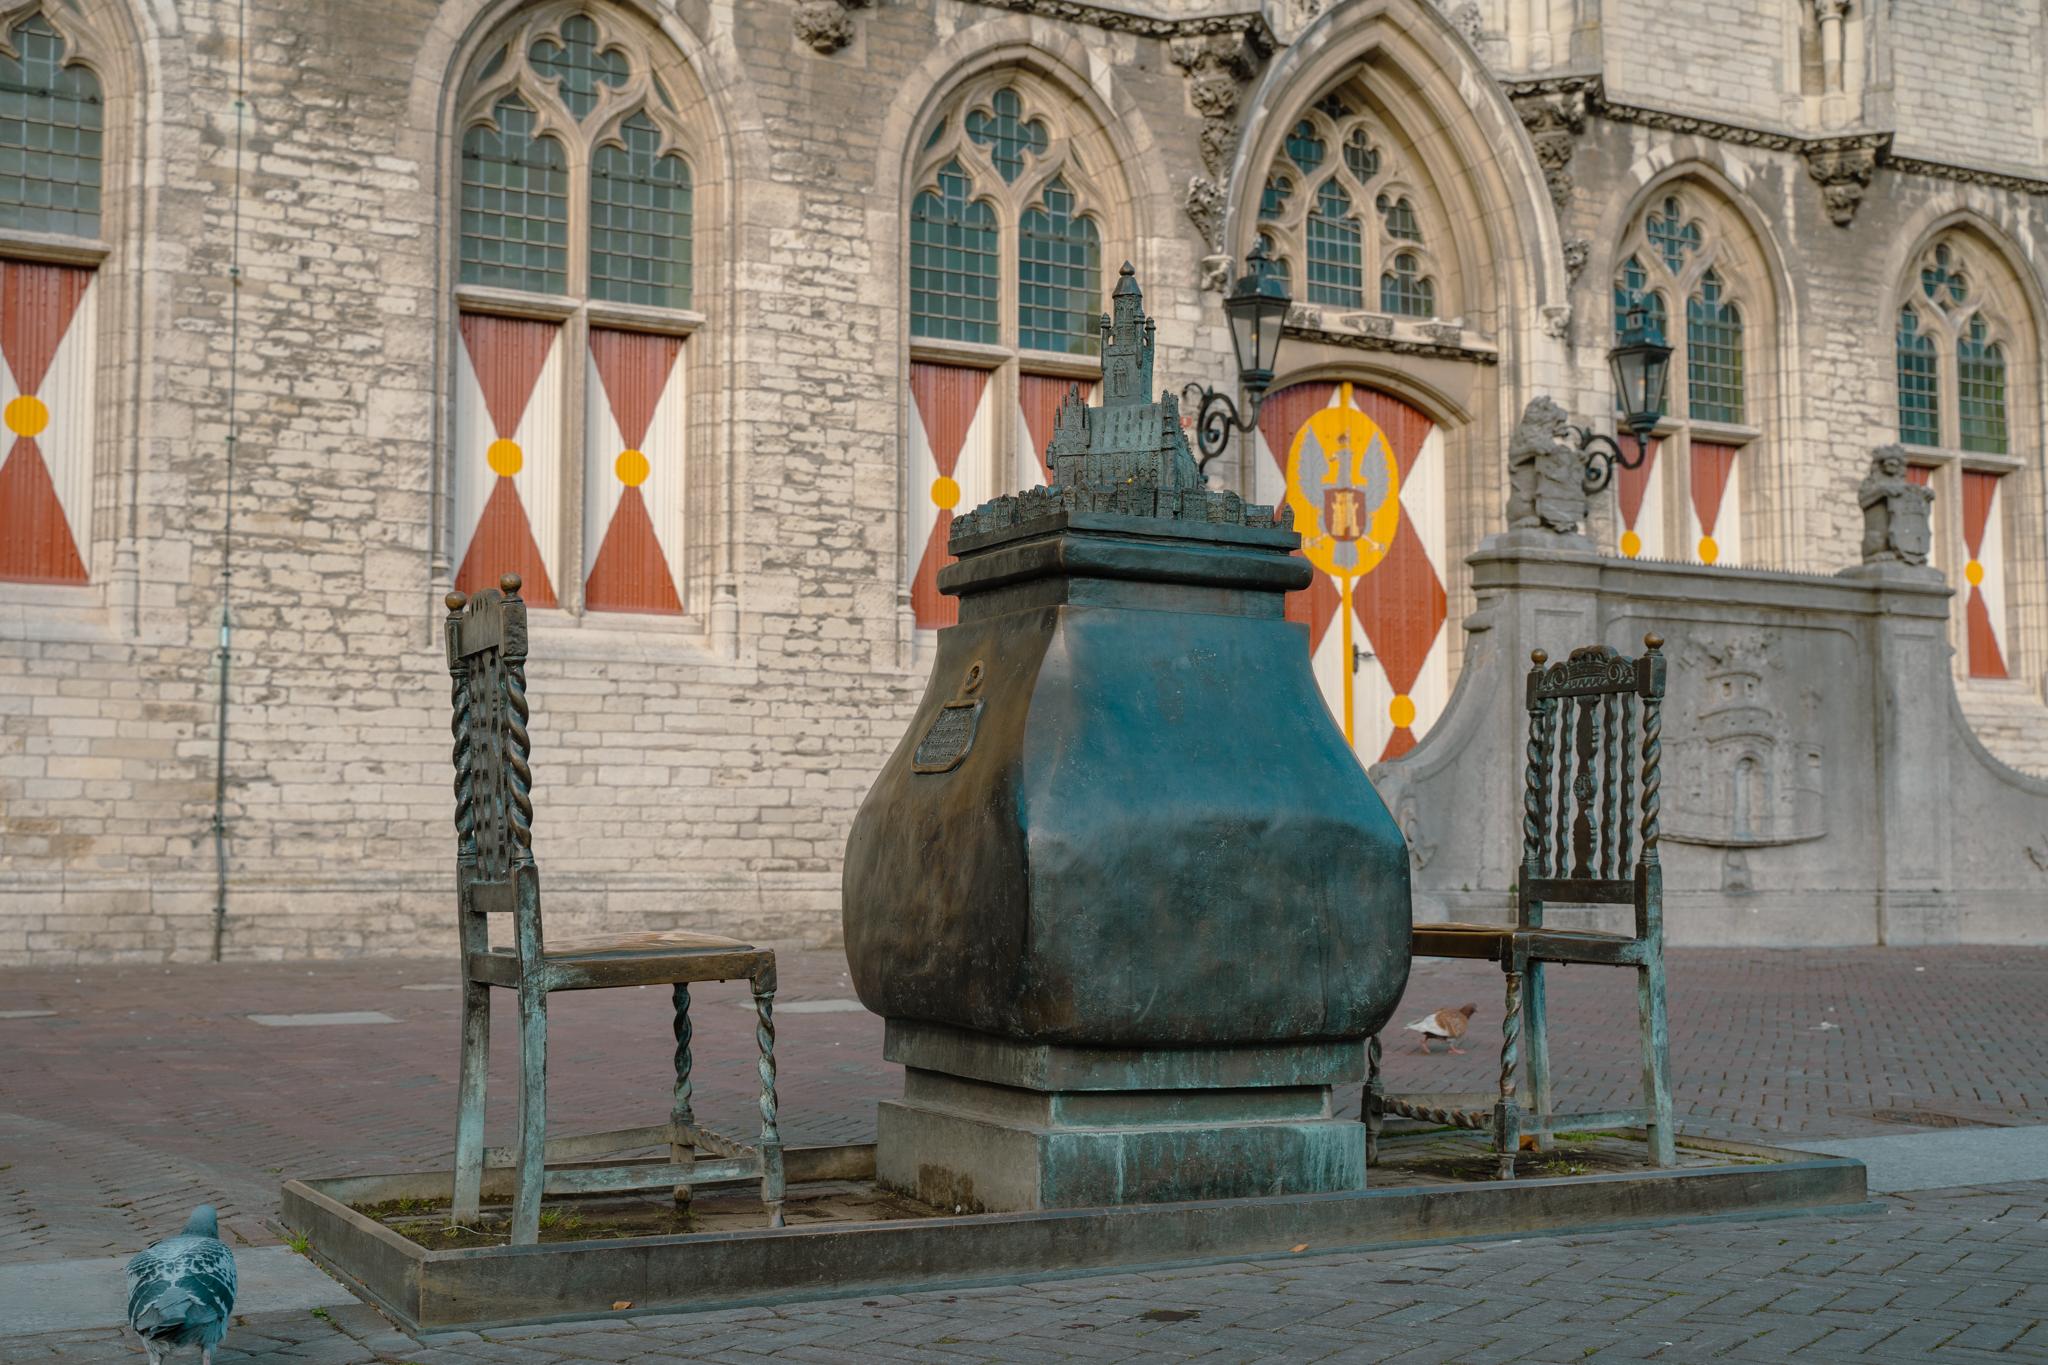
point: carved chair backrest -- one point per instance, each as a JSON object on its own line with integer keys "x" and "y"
{"x": 1591, "y": 781}
{"x": 493, "y": 782}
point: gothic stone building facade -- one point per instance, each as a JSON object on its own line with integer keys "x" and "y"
{"x": 706, "y": 316}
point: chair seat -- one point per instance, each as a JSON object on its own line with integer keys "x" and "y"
{"x": 675, "y": 956}
{"x": 670, "y": 941}
{"x": 1495, "y": 942}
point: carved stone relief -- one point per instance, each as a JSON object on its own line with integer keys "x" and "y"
{"x": 1217, "y": 66}
{"x": 1745, "y": 767}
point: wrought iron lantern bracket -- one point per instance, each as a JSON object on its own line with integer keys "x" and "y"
{"x": 1603, "y": 453}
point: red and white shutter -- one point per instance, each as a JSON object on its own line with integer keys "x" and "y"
{"x": 950, "y": 462}
{"x": 633, "y": 472}
{"x": 46, "y": 401}
{"x": 1984, "y": 576}
{"x": 508, "y": 454}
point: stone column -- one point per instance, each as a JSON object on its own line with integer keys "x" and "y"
{"x": 1834, "y": 100}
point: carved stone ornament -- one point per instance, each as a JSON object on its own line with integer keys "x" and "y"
{"x": 1748, "y": 765}
{"x": 1204, "y": 204}
{"x": 1216, "y": 273}
{"x": 1554, "y": 119}
{"x": 826, "y": 25}
{"x": 1897, "y": 513}
{"x": 1843, "y": 173}
{"x": 1546, "y": 472}
{"x": 1577, "y": 251}
{"x": 1217, "y": 67}
{"x": 1557, "y": 320}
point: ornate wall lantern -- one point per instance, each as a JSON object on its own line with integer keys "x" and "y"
{"x": 1640, "y": 364}
{"x": 1257, "y": 309}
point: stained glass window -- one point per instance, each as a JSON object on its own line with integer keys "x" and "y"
{"x": 1919, "y": 401}
{"x": 1400, "y": 216}
{"x": 515, "y": 204}
{"x": 1713, "y": 353}
{"x": 1005, "y": 132}
{"x": 1336, "y": 253}
{"x": 1361, "y": 156}
{"x": 577, "y": 65}
{"x": 1671, "y": 239}
{"x": 1980, "y": 390}
{"x": 953, "y": 268}
{"x": 1304, "y": 148}
{"x": 1059, "y": 276}
{"x": 50, "y": 121}
{"x": 640, "y": 220}
{"x": 1333, "y": 104}
{"x": 1404, "y": 289}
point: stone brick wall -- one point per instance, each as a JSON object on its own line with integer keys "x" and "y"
{"x": 1968, "y": 77}
{"x": 702, "y": 774}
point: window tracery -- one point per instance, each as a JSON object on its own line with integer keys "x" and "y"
{"x": 575, "y": 270}
{"x": 1688, "y": 248}
{"x": 1962, "y": 351}
{"x": 1013, "y": 205}
{"x": 1007, "y": 206}
{"x": 1322, "y": 233}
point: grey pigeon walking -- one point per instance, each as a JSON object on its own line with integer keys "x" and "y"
{"x": 181, "y": 1291}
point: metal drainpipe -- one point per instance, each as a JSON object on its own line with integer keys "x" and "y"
{"x": 227, "y": 531}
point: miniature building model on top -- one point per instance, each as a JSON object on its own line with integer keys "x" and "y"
{"x": 1123, "y": 892}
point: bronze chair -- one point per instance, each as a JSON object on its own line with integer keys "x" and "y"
{"x": 495, "y": 875}
{"x": 1585, "y": 755}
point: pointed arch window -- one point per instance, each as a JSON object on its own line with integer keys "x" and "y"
{"x": 640, "y": 219}
{"x": 1964, "y": 370}
{"x": 954, "y": 257}
{"x": 1919, "y": 383}
{"x": 1713, "y": 356}
{"x": 1687, "y": 499}
{"x": 1336, "y": 250}
{"x": 515, "y": 203}
{"x": 52, "y": 150}
{"x": 1013, "y": 207}
{"x": 577, "y": 263}
{"x": 1980, "y": 389}
{"x": 1346, "y": 216}
{"x": 50, "y": 135}
{"x": 1059, "y": 284}
{"x": 1405, "y": 290}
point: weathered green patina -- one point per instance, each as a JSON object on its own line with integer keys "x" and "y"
{"x": 1124, "y": 827}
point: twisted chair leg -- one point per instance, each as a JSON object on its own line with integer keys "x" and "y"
{"x": 681, "y": 1141}
{"x": 1507, "y": 1134}
{"x": 1372, "y": 1109}
{"x": 771, "y": 1137}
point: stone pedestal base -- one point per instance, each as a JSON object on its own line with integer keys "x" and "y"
{"x": 988, "y": 1125}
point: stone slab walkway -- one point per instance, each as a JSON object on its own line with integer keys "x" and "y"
{"x": 143, "y": 1091}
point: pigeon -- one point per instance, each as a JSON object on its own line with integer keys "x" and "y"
{"x": 1445, "y": 1024}
{"x": 181, "y": 1290}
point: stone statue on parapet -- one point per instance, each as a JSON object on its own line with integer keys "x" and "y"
{"x": 1896, "y": 511}
{"x": 1546, "y": 472}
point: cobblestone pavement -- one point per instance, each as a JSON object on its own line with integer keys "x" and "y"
{"x": 147, "y": 1090}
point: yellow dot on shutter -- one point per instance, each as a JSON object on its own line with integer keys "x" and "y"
{"x": 1974, "y": 572}
{"x": 1401, "y": 711}
{"x": 1631, "y": 544}
{"x": 27, "y": 415}
{"x": 945, "y": 492}
{"x": 631, "y": 467}
{"x": 1709, "y": 551}
{"x": 505, "y": 457}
